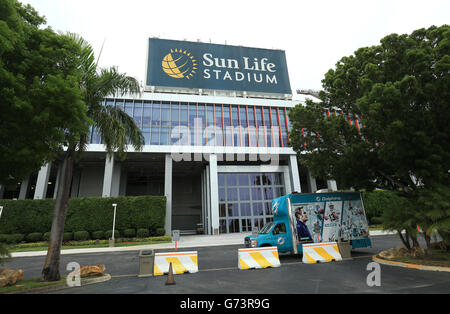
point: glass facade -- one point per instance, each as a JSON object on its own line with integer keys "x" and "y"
{"x": 199, "y": 124}
{"x": 245, "y": 200}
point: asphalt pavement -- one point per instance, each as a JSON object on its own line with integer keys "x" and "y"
{"x": 219, "y": 273}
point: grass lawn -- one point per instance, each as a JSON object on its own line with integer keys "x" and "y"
{"x": 30, "y": 284}
{"x": 42, "y": 246}
{"x": 437, "y": 258}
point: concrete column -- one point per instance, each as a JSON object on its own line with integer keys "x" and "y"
{"x": 168, "y": 193}
{"x": 42, "y": 182}
{"x": 58, "y": 177}
{"x": 208, "y": 200}
{"x": 75, "y": 182}
{"x": 108, "y": 176}
{"x": 123, "y": 181}
{"x": 312, "y": 185}
{"x": 331, "y": 184}
{"x": 295, "y": 177}
{"x": 115, "y": 184}
{"x": 24, "y": 189}
{"x": 202, "y": 180}
{"x": 214, "y": 190}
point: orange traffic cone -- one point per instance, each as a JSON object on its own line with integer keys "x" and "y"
{"x": 170, "y": 279}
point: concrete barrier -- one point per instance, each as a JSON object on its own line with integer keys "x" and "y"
{"x": 321, "y": 252}
{"x": 258, "y": 257}
{"x": 182, "y": 262}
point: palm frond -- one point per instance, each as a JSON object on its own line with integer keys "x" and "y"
{"x": 118, "y": 130}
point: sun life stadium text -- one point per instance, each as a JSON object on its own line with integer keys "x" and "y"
{"x": 255, "y": 65}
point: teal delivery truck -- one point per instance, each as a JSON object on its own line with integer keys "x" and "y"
{"x": 312, "y": 218}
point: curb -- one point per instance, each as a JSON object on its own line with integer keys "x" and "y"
{"x": 48, "y": 289}
{"x": 409, "y": 265}
{"x": 205, "y": 240}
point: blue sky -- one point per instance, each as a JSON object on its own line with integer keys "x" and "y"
{"x": 314, "y": 34}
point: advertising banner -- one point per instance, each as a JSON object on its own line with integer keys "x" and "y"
{"x": 329, "y": 217}
{"x": 185, "y": 64}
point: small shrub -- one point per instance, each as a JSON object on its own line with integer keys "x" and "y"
{"x": 98, "y": 235}
{"x": 129, "y": 233}
{"x": 46, "y": 236}
{"x": 116, "y": 234}
{"x": 15, "y": 238}
{"x": 3, "y": 238}
{"x": 67, "y": 236}
{"x": 142, "y": 233}
{"x": 34, "y": 237}
{"x": 81, "y": 235}
{"x": 160, "y": 232}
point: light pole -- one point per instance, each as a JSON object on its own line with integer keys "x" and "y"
{"x": 114, "y": 220}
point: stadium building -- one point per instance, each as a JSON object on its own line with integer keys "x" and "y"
{"x": 216, "y": 123}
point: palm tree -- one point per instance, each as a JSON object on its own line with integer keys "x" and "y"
{"x": 116, "y": 128}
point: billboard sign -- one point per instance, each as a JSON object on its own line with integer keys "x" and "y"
{"x": 184, "y": 64}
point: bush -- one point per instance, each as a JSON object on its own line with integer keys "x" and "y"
{"x": 34, "y": 237}
{"x": 376, "y": 202}
{"x": 46, "y": 236}
{"x": 67, "y": 236}
{"x": 89, "y": 213}
{"x": 98, "y": 235}
{"x": 160, "y": 232}
{"x": 81, "y": 235}
{"x": 3, "y": 238}
{"x": 109, "y": 234}
{"x": 142, "y": 233}
{"x": 14, "y": 238}
{"x": 129, "y": 233}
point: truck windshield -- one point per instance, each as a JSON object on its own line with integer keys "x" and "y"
{"x": 266, "y": 228}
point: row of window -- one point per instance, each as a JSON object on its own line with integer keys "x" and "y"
{"x": 242, "y": 225}
{"x": 174, "y": 123}
{"x": 245, "y": 199}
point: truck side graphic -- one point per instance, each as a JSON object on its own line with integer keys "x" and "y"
{"x": 312, "y": 218}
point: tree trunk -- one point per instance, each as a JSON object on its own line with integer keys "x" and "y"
{"x": 415, "y": 241}
{"x": 50, "y": 271}
{"x": 428, "y": 242}
{"x": 405, "y": 240}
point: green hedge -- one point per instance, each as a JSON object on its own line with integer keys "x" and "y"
{"x": 84, "y": 214}
{"x": 376, "y": 201}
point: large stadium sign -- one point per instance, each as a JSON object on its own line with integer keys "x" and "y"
{"x": 184, "y": 64}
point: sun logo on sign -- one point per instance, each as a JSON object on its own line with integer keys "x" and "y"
{"x": 179, "y": 64}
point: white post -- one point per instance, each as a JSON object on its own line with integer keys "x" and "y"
{"x": 114, "y": 220}
{"x": 214, "y": 190}
{"x": 1, "y": 211}
{"x": 168, "y": 193}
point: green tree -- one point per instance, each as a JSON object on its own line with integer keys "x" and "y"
{"x": 116, "y": 128}
{"x": 40, "y": 100}
{"x": 398, "y": 93}
{"x": 4, "y": 253}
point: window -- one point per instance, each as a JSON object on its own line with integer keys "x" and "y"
{"x": 146, "y": 115}
{"x": 280, "y": 228}
{"x": 248, "y": 198}
{"x": 165, "y": 115}
{"x": 156, "y": 115}
{"x": 137, "y": 114}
